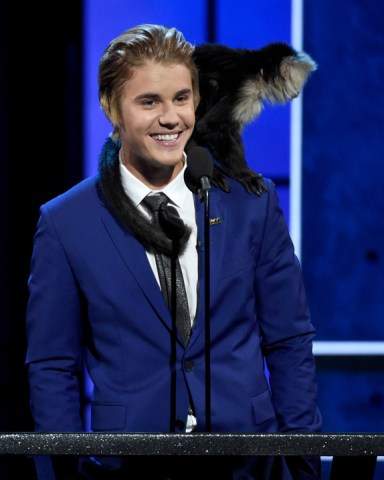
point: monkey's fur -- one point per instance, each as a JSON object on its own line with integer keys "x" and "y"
{"x": 234, "y": 85}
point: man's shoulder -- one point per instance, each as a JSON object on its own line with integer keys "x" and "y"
{"x": 79, "y": 194}
{"x": 239, "y": 192}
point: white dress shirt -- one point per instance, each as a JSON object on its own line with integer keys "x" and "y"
{"x": 182, "y": 199}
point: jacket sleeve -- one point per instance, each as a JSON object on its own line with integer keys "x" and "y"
{"x": 287, "y": 334}
{"x": 53, "y": 326}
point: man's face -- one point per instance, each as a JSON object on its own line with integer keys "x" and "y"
{"x": 158, "y": 117}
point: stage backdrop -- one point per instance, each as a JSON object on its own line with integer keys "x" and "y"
{"x": 343, "y": 206}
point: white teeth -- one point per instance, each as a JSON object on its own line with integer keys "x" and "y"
{"x": 166, "y": 138}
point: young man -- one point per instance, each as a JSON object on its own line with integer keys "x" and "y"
{"x": 95, "y": 296}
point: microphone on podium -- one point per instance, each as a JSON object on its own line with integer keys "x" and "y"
{"x": 197, "y": 177}
{"x": 199, "y": 170}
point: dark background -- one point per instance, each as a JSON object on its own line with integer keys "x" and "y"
{"x": 40, "y": 155}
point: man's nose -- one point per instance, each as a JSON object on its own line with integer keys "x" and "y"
{"x": 169, "y": 115}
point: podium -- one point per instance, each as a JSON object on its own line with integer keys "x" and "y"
{"x": 351, "y": 452}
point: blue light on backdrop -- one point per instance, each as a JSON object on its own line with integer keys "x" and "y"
{"x": 104, "y": 21}
{"x": 237, "y": 24}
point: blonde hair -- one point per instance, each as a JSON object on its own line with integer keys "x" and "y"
{"x": 132, "y": 49}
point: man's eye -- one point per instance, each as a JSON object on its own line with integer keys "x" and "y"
{"x": 182, "y": 98}
{"x": 149, "y": 102}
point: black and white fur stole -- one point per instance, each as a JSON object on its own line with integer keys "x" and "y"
{"x": 125, "y": 211}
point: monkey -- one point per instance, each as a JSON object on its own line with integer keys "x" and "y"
{"x": 235, "y": 84}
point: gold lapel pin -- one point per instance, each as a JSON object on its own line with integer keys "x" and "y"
{"x": 215, "y": 220}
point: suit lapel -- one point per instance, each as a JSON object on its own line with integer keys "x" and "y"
{"x": 135, "y": 259}
{"x": 216, "y": 235}
{"x": 216, "y": 251}
{"x": 134, "y": 256}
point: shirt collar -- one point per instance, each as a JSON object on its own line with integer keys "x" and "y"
{"x": 176, "y": 190}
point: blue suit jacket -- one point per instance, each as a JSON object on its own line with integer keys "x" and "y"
{"x": 94, "y": 299}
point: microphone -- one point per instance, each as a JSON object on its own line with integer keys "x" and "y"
{"x": 199, "y": 170}
{"x": 197, "y": 178}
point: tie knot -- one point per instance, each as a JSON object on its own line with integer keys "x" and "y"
{"x": 165, "y": 215}
{"x": 154, "y": 201}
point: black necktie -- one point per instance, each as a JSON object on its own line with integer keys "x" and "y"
{"x": 169, "y": 270}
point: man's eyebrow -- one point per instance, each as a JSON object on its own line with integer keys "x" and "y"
{"x": 184, "y": 91}
{"x": 156, "y": 96}
{"x": 148, "y": 96}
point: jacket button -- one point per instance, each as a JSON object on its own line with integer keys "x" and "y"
{"x": 189, "y": 365}
{"x": 180, "y": 425}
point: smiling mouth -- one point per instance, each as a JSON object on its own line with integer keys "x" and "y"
{"x": 166, "y": 138}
